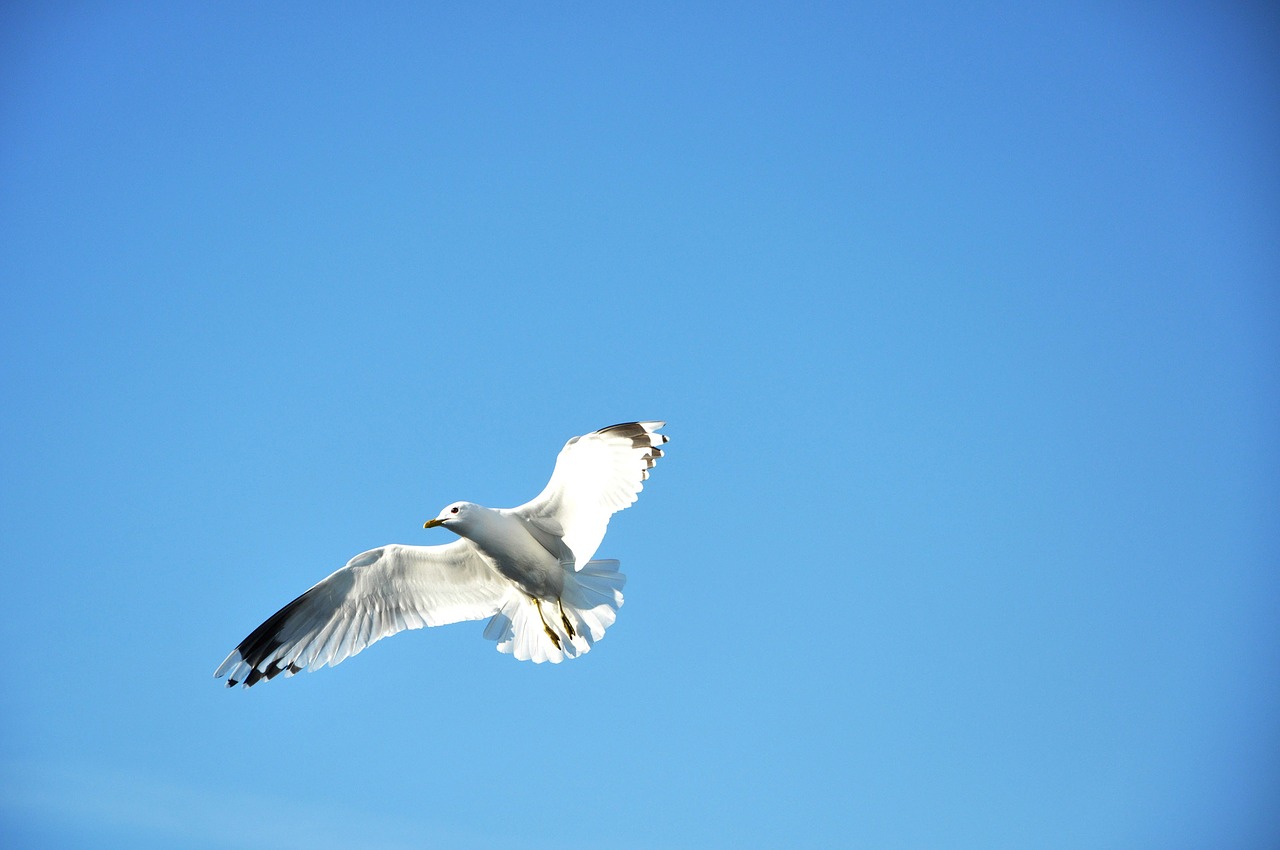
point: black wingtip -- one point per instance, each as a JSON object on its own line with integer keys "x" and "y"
{"x": 641, "y": 437}
{"x": 624, "y": 429}
{"x": 262, "y": 643}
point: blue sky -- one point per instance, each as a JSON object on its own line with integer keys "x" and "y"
{"x": 964, "y": 320}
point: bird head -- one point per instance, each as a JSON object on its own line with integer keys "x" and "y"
{"x": 451, "y": 517}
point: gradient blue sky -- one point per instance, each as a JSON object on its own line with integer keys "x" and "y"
{"x": 964, "y": 318}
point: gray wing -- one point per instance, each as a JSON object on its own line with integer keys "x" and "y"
{"x": 378, "y": 593}
{"x": 596, "y": 476}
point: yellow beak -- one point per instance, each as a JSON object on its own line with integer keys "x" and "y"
{"x": 432, "y": 523}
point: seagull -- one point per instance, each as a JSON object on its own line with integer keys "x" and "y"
{"x": 528, "y": 569}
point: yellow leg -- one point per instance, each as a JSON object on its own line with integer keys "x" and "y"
{"x": 568, "y": 627}
{"x": 555, "y": 638}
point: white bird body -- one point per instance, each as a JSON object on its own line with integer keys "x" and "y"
{"x": 508, "y": 542}
{"x": 507, "y": 563}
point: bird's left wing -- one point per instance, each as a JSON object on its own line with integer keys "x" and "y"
{"x": 378, "y": 593}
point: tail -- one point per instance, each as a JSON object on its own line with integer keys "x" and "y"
{"x": 591, "y": 599}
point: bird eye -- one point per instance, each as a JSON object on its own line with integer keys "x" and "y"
{"x": 453, "y": 510}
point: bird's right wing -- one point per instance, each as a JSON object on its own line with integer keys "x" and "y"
{"x": 596, "y": 475}
{"x": 378, "y": 593}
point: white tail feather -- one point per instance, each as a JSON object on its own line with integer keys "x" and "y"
{"x": 591, "y": 599}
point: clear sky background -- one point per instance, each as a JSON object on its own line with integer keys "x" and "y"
{"x": 964, "y": 318}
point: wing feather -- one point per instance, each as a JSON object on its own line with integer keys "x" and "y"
{"x": 378, "y": 593}
{"x": 596, "y": 475}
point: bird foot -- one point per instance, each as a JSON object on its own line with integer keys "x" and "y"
{"x": 568, "y": 626}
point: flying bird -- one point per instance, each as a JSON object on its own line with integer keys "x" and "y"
{"x": 528, "y": 569}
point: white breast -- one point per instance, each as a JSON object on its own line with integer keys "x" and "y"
{"x": 505, "y": 540}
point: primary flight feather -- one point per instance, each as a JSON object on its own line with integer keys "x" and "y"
{"x": 528, "y": 569}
